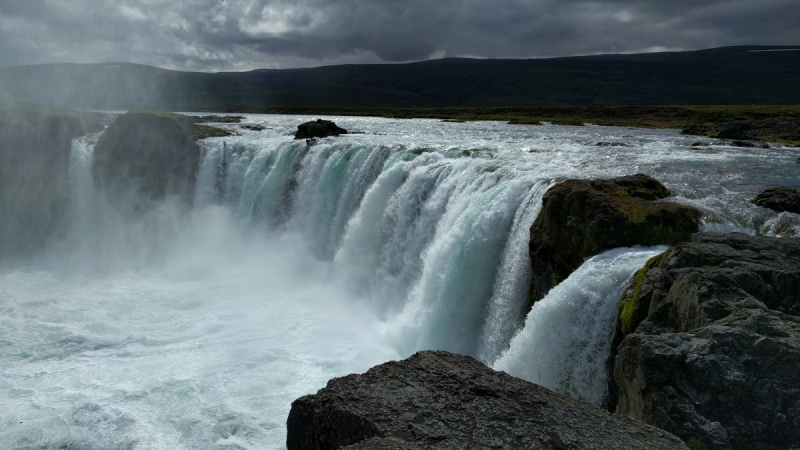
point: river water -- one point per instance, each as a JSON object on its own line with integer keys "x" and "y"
{"x": 196, "y": 329}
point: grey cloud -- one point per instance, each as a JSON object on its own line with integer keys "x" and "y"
{"x": 246, "y": 34}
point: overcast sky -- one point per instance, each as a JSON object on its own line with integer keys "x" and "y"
{"x": 214, "y": 35}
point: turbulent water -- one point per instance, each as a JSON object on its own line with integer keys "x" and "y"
{"x": 191, "y": 330}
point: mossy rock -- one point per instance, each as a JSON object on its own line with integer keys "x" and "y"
{"x": 147, "y": 156}
{"x": 581, "y": 218}
{"x": 780, "y": 199}
{"x": 636, "y": 299}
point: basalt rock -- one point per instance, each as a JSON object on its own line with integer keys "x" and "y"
{"x": 318, "y": 129}
{"x": 146, "y": 157}
{"x": 439, "y": 400}
{"x": 581, "y": 218}
{"x": 712, "y": 343}
{"x": 35, "y": 151}
{"x": 779, "y": 199}
{"x": 771, "y": 129}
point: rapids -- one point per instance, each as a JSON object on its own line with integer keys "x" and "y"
{"x": 192, "y": 330}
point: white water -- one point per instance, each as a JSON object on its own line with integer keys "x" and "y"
{"x": 297, "y": 265}
{"x": 567, "y": 335}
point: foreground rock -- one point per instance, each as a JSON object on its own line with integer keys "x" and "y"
{"x": 35, "y": 148}
{"x": 145, "y": 157}
{"x": 786, "y": 129}
{"x": 779, "y": 199}
{"x": 581, "y": 218}
{"x": 712, "y": 346}
{"x": 318, "y": 129}
{"x": 441, "y": 400}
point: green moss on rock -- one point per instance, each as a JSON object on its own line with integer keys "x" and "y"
{"x": 633, "y": 308}
{"x": 581, "y": 218}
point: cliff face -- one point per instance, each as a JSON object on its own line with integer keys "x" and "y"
{"x": 145, "y": 157}
{"x": 441, "y": 400}
{"x": 34, "y": 186}
{"x": 712, "y": 343}
{"x": 581, "y": 218}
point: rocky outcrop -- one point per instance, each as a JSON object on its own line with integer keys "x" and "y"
{"x": 712, "y": 343}
{"x": 34, "y": 185}
{"x": 318, "y": 129}
{"x": 785, "y": 129}
{"x": 779, "y": 199}
{"x": 581, "y": 218}
{"x": 441, "y": 400}
{"x": 145, "y": 157}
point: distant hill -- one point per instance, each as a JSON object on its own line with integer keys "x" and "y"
{"x": 722, "y": 76}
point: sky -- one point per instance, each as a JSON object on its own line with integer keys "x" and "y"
{"x": 235, "y": 35}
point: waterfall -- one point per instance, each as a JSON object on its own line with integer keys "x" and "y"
{"x": 567, "y": 335}
{"x": 436, "y": 239}
{"x": 297, "y": 263}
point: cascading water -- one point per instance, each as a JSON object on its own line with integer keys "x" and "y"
{"x": 299, "y": 263}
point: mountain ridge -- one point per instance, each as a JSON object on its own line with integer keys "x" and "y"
{"x": 721, "y": 76}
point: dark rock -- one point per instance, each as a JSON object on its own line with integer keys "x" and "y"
{"x": 712, "y": 343}
{"x": 35, "y": 151}
{"x": 581, "y": 218}
{"x": 222, "y": 119}
{"x": 745, "y": 144}
{"x": 611, "y": 144}
{"x": 699, "y": 144}
{"x": 385, "y": 444}
{"x": 441, "y": 400}
{"x": 318, "y": 129}
{"x": 779, "y": 199}
{"x": 145, "y": 157}
{"x": 771, "y": 129}
{"x": 253, "y": 127}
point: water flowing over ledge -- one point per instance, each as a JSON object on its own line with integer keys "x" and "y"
{"x": 297, "y": 264}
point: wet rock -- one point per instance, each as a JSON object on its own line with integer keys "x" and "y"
{"x": 318, "y": 129}
{"x": 35, "y": 151}
{"x": 712, "y": 343}
{"x": 611, "y": 144}
{"x": 779, "y": 199}
{"x": 581, "y": 218}
{"x": 771, "y": 129}
{"x": 253, "y": 127}
{"x": 222, "y": 119}
{"x": 745, "y": 144}
{"x": 145, "y": 157}
{"x": 442, "y": 400}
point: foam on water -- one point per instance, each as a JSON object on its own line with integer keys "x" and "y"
{"x": 300, "y": 263}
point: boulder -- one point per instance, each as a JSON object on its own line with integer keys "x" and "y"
{"x": 318, "y": 129}
{"x": 441, "y": 400}
{"x": 711, "y": 346}
{"x": 785, "y": 129}
{"x": 581, "y": 218}
{"x": 779, "y": 199}
{"x": 145, "y": 157}
{"x": 35, "y": 148}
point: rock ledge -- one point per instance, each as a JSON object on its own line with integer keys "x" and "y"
{"x": 441, "y": 400}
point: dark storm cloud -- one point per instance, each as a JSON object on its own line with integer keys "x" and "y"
{"x": 243, "y": 34}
